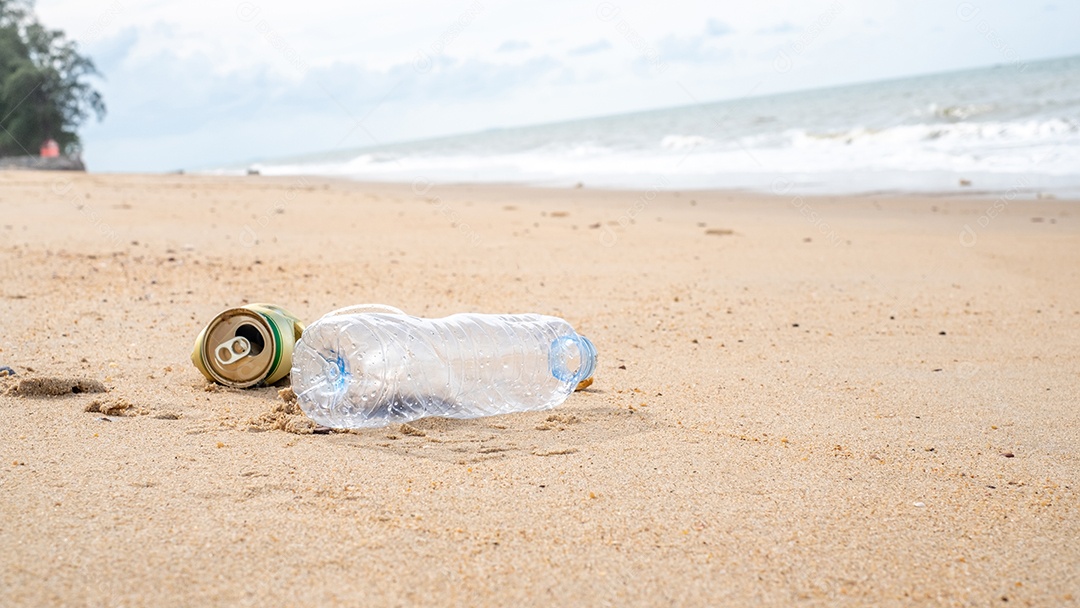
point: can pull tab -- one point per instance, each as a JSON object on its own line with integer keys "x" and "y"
{"x": 235, "y": 349}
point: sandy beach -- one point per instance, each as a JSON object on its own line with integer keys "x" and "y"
{"x": 847, "y": 400}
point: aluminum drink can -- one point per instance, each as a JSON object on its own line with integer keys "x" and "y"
{"x": 248, "y": 345}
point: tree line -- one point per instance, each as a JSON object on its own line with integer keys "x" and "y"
{"x": 45, "y": 89}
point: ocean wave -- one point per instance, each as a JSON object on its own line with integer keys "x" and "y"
{"x": 1044, "y": 147}
{"x": 959, "y": 112}
{"x": 684, "y": 142}
{"x": 993, "y": 124}
{"x": 974, "y": 133}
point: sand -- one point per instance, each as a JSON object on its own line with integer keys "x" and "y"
{"x": 799, "y": 400}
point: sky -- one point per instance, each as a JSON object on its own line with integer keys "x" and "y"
{"x": 200, "y": 83}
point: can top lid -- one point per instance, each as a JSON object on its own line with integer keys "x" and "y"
{"x": 239, "y": 348}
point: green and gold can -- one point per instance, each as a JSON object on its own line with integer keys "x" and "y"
{"x": 248, "y": 345}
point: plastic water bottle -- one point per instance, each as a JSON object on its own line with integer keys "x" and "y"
{"x": 372, "y": 366}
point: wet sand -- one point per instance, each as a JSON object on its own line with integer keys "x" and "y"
{"x": 819, "y": 400}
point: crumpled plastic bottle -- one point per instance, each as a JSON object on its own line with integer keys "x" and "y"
{"x": 374, "y": 365}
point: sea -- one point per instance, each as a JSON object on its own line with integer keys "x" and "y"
{"x": 1013, "y": 127}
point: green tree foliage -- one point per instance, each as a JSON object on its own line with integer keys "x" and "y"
{"x": 44, "y": 93}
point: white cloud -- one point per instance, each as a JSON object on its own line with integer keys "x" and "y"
{"x": 783, "y": 27}
{"x": 715, "y": 27}
{"x": 513, "y": 45}
{"x": 589, "y": 49}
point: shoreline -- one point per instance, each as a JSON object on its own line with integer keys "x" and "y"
{"x": 1013, "y": 194}
{"x": 781, "y": 186}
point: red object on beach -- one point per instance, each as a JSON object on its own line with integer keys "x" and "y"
{"x": 50, "y": 149}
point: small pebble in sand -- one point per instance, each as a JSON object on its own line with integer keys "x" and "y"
{"x": 284, "y": 416}
{"x": 408, "y": 429}
{"x": 114, "y": 407}
{"x": 1008, "y": 455}
{"x": 919, "y": 504}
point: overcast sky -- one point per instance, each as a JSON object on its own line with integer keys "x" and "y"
{"x": 203, "y": 82}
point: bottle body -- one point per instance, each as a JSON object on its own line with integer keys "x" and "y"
{"x": 373, "y": 369}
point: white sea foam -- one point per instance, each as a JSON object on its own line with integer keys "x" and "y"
{"x": 684, "y": 142}
{"x": 930, "y": 133}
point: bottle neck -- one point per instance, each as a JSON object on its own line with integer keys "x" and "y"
{"x": 588, "y": 359}
{"x": 572, "y": 358}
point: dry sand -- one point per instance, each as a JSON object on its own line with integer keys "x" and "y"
{"x": 829, "y": 400}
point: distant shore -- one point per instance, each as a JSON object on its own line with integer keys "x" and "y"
{"x": 38, "y": 163}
